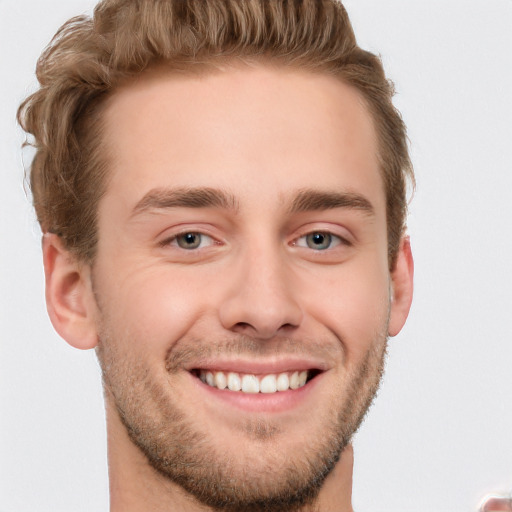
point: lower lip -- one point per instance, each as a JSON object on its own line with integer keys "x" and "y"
{"x": 280, "y": 401}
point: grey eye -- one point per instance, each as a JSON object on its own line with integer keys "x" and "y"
{"x": 189, "y": 240}
{"x": 319, "y": 241}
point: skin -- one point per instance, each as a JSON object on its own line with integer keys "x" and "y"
{"x": 253, "y": 291}
{"x": 497, "y": 504}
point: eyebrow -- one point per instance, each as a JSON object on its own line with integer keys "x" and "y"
{"x": 315, "y": 200}
{"x": 204, "y": 197}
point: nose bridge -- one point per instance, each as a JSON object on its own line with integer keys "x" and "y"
{"x": 266, "y": 274}
{"x": 260, "y": 298}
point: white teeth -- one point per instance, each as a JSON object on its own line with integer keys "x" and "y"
{"x": 268, "y": 384}
{"x": 283, "y": 382}
{"x": 248, "y": 383}
{"x": 220, "y": 380}
{"x": 294, "y": 380}
{"x": 234, "y": 382}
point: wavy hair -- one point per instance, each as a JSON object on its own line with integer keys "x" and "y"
{"x": 90, "y": 56}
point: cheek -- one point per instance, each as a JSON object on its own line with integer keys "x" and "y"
{"x": 353, "y": 303}
{"x": 152, "y": 308}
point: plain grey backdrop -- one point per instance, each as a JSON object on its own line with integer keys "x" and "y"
{"x": 439, "y": 436}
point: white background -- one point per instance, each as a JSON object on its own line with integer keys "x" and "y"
{"x": 440, "y": 434}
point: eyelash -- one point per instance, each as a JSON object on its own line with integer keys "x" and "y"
{"x": 332, "y": 238}
{"x": 173, "y": 241}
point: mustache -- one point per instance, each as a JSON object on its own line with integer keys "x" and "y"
{"x": 186, "y": 353}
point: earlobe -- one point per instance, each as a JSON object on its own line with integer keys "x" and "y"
{"x": 402, "y": 287}
{"x": 69, "y": 297}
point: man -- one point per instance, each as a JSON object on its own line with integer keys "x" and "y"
{"x": 221, "y": 187}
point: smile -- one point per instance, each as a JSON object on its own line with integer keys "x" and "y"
{"x": 253, "y": 384}
{"x": 271, "y": 386}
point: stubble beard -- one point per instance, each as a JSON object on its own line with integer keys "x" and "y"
{"x": 188, "y": 455}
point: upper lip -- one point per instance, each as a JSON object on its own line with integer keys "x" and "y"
{"x": 256, "y": 366}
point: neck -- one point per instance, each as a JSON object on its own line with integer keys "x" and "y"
{"x": 135, "y": 486}
{"x": 336, "y": 493}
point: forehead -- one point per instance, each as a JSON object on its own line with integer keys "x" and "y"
{"x": 258, "y": 131}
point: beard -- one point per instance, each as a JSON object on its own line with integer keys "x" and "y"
{"x": 267, "y": 477}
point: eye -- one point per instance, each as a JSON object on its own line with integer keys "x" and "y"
{"x": 191, "y": 240}
{"x": 319, "y": 241}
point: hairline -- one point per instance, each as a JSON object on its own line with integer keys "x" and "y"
{"x": 204, "y": 67}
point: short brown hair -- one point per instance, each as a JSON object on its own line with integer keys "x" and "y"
{"x": 89, "y": 57}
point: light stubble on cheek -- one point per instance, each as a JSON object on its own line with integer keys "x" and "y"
{"x": 152, "y": 408}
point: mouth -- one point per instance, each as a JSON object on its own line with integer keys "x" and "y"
{"x": 252, "y": 383}
{"x": 256, "y": 386}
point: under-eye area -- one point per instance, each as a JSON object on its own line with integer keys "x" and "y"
{"x": 253, "y": 384}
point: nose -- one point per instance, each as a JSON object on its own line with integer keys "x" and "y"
{"x": 260, "y": 299}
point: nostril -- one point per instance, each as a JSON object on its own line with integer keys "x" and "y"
{"x": 243, "y": 325}
{"x": 244, "y": 328}
{"x": 263, "y": 332}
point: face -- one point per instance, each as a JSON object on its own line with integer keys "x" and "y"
{"x": 242, "y": 244}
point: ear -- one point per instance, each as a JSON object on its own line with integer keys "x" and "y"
{"x": 69, "y": 298}
{"x": 402, "y": 287}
